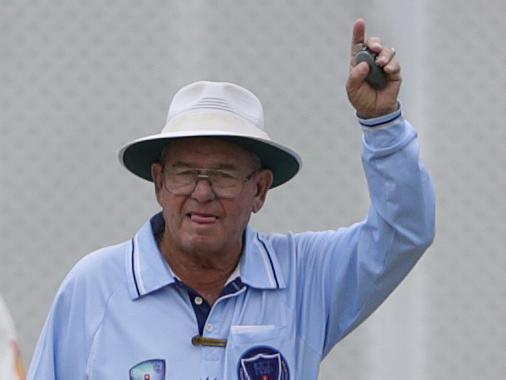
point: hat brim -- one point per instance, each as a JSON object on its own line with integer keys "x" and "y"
{"x": 284, "y": 163}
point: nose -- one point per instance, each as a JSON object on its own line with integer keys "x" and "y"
{"x": 203, "y": 191}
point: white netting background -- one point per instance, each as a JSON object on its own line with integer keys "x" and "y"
{"x": 79, "y": 79}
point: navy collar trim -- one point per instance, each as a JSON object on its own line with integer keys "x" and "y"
{"x": 149, "y": 271}
{"x": 132, "y": 253}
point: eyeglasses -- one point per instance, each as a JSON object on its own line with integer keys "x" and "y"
{"x": 224, "y": 183}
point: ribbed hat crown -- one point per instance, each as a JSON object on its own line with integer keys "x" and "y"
{"x": 218, "y": 96}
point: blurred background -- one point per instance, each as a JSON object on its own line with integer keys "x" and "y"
{"x": 80, "y": 79}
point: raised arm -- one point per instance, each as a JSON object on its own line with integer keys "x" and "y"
{"x": 349, "y": 272}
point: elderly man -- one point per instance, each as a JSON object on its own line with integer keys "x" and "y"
{"x": 197, "y": 293}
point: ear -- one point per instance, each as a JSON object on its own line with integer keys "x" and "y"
{"x": 157, "y": 176}
{"x": 263, "y": 183}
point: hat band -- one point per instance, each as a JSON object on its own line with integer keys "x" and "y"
{"x": 215, "y": 122}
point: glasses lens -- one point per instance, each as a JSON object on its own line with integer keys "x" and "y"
{"x": 225, "y": 184}
{"x": 223, "y": 180}
{"x": 182, "y": 182}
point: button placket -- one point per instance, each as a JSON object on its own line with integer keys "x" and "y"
{"x": 212, "y": 329}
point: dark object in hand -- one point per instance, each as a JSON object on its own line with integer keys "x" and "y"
{"x": 377, "y": 78}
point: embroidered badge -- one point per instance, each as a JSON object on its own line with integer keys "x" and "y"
{"x": 148, "y": 370}
{"x": 263, "y": 363}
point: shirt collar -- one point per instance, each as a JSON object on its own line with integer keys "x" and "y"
{"x": 259, "y": 265}
{"x": 148, "y": 268}
{"x": 149, "y": 271}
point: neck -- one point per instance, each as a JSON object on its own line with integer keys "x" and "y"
{"x": 204, "y": 272}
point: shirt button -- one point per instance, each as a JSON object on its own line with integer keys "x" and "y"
{"x": 198, "y": 300}
{"x": 209, "y": 327}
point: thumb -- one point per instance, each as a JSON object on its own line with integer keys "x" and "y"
{"x": 357, "y": 76}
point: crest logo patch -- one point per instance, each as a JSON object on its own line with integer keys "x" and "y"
{"x": 148, "y": 370}
{"x": 263, "y": 363}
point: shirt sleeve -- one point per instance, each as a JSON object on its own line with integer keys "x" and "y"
{"x": 65, "y": 342}
{"x": 61, "y": 345}
{"x": 349, "y": 272}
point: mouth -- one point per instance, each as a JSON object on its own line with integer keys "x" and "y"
{"x": 202, "y": 218}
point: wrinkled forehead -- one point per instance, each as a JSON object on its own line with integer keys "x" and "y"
{"x": 208, "y": 152}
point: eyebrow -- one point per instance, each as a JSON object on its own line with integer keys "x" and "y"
{"x": 220, "y": 166}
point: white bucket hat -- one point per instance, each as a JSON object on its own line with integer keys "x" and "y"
{"x": 214, "y": 109}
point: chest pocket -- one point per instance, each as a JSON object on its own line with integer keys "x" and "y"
{"x": 259, "y": 352}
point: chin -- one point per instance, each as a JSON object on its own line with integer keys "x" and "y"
{"x": 202, "y": 244}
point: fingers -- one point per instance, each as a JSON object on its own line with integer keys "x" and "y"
{"x": 358, "y": 32}
{"x": 385, "y": 56}
{"x": 390, "y": 64}
{"x": 393, "y": 68}
{"x": 358, "y": 38}
{"x": 374, "y": 44}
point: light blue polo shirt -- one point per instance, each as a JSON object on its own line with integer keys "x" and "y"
{"x": 121, "y": 314}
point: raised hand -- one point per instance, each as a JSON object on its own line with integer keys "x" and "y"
{"x": 368, "y": 101}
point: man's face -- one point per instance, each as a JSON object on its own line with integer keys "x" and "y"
{"x": 202, "y": 223}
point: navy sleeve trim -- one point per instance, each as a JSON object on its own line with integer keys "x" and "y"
{"x": 380, "y": 120}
